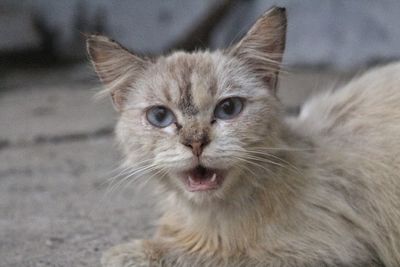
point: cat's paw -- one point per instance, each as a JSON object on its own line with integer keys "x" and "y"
{"x": 133, "y": 254}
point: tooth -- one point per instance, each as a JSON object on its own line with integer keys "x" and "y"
{"x": 214, "y": 177}
{"x": 190, "y": 179}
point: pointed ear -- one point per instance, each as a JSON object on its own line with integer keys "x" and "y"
{"x": 116, "y": 67}
{"x": 263, "y": 45}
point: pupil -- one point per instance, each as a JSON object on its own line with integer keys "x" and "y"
{"x": 228, "y": 107}
{"x": 160, "y": 114}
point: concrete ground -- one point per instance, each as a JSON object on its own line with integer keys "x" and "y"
{"x": 56, "y": 154}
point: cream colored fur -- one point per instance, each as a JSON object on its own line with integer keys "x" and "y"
{"x": 321, "y": 189}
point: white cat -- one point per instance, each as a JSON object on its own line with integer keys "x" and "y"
{"x": 243, "y": 185}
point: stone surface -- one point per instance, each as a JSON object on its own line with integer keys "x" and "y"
{"x": 143, "y": 25}
{"x": 54, "y": 106}
{"x": 35, "y": 114}
{"x": 55, "y": 209}
{"x": 341, "y": 34}
{"x": 14, "y": 20}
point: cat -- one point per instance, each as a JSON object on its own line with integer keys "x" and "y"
{"x": 243, "y": 184}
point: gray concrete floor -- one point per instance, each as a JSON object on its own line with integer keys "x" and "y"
{"x": 56, "y": 154}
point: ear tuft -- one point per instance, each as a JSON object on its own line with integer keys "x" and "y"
{"x": 263, "y": 45}
{"x": 116, "y": 67}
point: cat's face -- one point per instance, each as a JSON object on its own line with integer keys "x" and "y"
{"x": 189, "y": 120}
{"x": 194, "y": 116}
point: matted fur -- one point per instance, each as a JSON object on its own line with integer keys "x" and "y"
{"x": 322, "y": 189}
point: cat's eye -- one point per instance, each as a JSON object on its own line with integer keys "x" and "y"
{"x": 160, "y": 116}
{"x": 228, "y": 108}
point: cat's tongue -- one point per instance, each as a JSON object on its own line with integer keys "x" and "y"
{"x": 202, "y": 179}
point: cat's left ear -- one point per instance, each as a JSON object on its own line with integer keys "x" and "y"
{"x": 261, "y": 49}
{"x": 116, "y": 67}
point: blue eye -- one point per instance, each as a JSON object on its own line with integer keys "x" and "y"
{"x": 228, "y": 108}
{"x": 160, "y": 116}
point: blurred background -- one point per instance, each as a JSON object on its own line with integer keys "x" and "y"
{"x": 56, "y": 142}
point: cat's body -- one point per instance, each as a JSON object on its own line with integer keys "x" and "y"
{"x": 321, "y": 189}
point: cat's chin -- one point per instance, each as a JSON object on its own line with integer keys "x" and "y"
{"x": 201, "y": 178}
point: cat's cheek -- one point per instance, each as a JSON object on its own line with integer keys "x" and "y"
{"x": 170, "y": 130}
{"x": 222, "y": 125}
{"x": 227, "y": 128}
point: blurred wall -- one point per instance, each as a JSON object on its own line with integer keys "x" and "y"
{"x": 341, "y": 34}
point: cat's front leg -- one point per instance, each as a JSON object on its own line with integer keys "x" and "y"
{"x": 138, "y": 253}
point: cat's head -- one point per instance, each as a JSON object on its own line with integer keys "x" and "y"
{"x": 196, "y": 121}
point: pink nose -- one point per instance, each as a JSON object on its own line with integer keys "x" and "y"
{"x": 197, "y": 147}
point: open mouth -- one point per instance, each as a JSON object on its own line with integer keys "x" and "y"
{"x": 201, "y": 178}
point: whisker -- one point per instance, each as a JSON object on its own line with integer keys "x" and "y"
{"x": 117, "y": 184}
{"x": 280, "y": 159}
{"x": 124, "y": 170}
{"x": 281, "y": 148}
{"x": 253, "y": 163}
{"x": 249, "y": 154}
{"x": 160, "y": 171}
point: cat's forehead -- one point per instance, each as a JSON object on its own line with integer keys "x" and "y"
{"x": 189, "y": 81}
{"x": 195, "y": 82}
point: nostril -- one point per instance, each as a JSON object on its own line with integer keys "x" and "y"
{"x": 188, "y": 145}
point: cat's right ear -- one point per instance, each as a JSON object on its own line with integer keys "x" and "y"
{"x": 116, "y": 67}
{"x": 261, "y": 49}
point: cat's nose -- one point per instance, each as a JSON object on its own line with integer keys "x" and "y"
{"x": 197, "y": 146}
{"x": 195, "y": 137}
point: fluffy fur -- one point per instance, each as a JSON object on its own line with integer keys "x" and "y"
{"x": 321, "y": 189}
